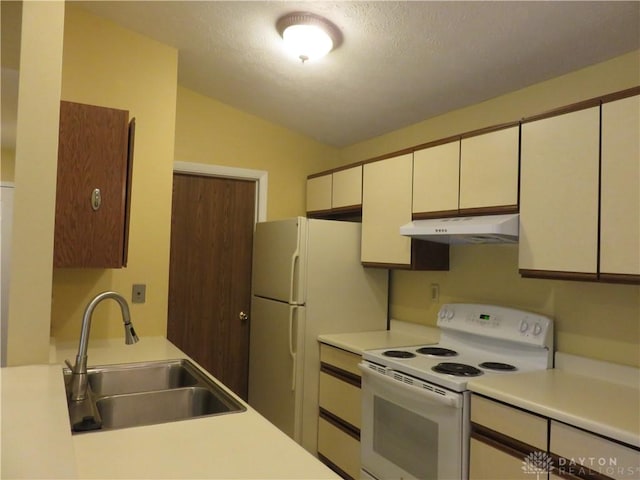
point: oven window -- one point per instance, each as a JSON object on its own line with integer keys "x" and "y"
{"x": 406, "y": 439}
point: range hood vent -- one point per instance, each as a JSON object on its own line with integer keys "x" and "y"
{"x": 465, "y": 230}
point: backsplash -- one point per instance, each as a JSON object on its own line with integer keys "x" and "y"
{"x": 595, "y": 320}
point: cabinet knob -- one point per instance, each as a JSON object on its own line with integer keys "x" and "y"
{"x": 96, "y": 199}
{"x": 243, "y": 316}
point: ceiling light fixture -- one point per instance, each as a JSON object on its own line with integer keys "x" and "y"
{"x": 308, "y": 36}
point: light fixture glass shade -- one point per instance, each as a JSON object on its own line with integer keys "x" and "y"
{"x": 308, "y": 36}
{"x": 307, "y": 42}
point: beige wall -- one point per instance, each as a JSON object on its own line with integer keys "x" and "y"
{"x": 211, "y": 132}
{"x": 36, "y": 157}
{"x": 107, "y": 65}
{"x": 595, "y": 320}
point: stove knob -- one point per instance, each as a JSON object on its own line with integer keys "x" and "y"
{"x": 524, "y": 326}
{"x": 537, "y": 329}
{"x": 450, "y": 314}
{"x": 443, "y": 313}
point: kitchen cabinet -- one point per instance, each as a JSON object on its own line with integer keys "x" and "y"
{"x": 620, "y": 191}
{"x": 93, "y": 192}
{"x": 319, "y": 194}
{"x": 489, "y": 168}
{"x": 339, "y": 412}
{"x": 580, "y": 193}
{"x": 477, "y": 173}
{"x": 436, "y": 177}
{"x": 502, "y": 438}
{"x": 559, "y": 195}
{"x": 580, "y": 454}
{"x": 335, "y": 194}
{"x": 386, "y": 206}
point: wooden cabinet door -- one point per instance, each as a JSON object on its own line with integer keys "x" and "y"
{"x": 93, "y": 155}
{"x": 620, "y": 190}
{"x": 347, "y": 188}
{"x": 559, "y": 195}
{"x": 436, "y": 173}
{"x": 489, "y": 166}
{"x": 386, "y": 206}
{"x": 319, "y": 193}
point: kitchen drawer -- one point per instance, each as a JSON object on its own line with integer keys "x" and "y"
{"x": 525, "y": 427}
{"x": 594, "y": 452}
{"x": 490, "y": 463}
{"x": 340, "y": 448}
{"x": 342, "y": 359}
{"x": 340, "y": 398}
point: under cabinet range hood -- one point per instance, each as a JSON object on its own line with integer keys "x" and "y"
{"x": 465, "y": 230}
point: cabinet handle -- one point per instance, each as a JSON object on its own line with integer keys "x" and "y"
{"x": 96, "y": 199}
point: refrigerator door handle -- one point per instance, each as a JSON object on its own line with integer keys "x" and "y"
{"x": 292, "y": 310}
{"x": 292, "y": 278}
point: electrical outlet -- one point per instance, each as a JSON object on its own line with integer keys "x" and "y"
{"x": 138, "y": 293}
{"x": 435, "y": 292}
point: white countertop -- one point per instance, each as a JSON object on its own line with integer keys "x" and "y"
{"x": 402, "y": 334}
{"x": 37, "y": 441}
{"x": 589, "y": 402}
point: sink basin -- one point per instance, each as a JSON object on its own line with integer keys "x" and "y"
{"x": 147, "y": 393}
{"x": 120, "y": 411}
{"x": 141, "y": 377}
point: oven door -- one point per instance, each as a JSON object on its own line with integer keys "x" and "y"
{"x": 410, "y": 432}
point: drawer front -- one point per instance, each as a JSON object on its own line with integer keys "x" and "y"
{"x": 489, "y": 463}
{"x": 514, "y": 423}
{"x": 340, "y": 448}
{"x": 340, "y": 398}
{"x": 342, "y": 359}
{"x": 580, "y": 449}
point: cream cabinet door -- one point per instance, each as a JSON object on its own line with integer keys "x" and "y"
{"x": 489, "y": 463}
{"x": 347, "y": 187}
{"x": 319, "y": 193}
{"x": 436, "y": 173}
{"x": 559, "y": 193}
{"x": 620, "y": 189}
{"x": 386, "y": 206}
{"x": 583, "y": 449}
{"x": 489, "y": 169}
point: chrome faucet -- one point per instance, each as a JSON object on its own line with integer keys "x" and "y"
{"x": 79, "y": 370}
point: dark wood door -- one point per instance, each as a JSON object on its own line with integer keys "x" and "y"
{"x": 212, "y": 223}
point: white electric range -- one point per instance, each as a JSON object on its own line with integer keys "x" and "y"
{"x": 415, "y": 399}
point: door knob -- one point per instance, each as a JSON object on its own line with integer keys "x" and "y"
{"x": 243, "y": 316}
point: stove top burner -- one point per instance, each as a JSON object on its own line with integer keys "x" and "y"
{"x": 457, "y": 369}
{"x": 398, "y": 354}
{"x": 504, "y": 367}
{"x": 437, "y": 351}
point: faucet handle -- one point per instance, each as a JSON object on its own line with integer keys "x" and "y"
{"x": 69, "y": 364}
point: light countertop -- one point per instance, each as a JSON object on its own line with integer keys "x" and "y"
{"x": 591, "y": 403}
{"x": 401, "y": 334}
{"x": 37, "y": 441}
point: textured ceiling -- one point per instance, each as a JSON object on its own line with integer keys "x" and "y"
{"x": 400, "y": 62}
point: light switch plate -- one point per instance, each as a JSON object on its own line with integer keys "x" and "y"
{"x": 138, "y": 293}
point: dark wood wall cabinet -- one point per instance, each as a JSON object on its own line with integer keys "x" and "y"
{"x": 93, "y": 195}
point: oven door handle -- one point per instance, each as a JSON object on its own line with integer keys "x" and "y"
{"x": 449, "y": 399}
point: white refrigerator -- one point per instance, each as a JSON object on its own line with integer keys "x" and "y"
{"x": 307, "y": 281}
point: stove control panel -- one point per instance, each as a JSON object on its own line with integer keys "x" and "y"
{"x": 497, "y": 322}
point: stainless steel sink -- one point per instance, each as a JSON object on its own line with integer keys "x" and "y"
{"x": 140, "y": 377}
{"x": 120, "y": 411}
{"x": 147, "y": 393}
